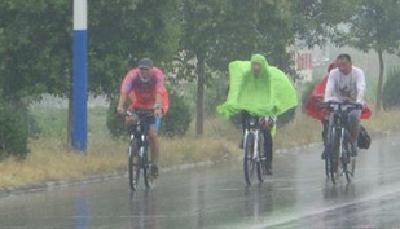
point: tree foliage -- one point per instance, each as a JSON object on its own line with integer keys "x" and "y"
{"x": 391, "y": 91}
{"x": 13, "y": 131}
{"x": 126, "y": 29}
{"x": 35, "y": 46}
{"x": 374, "y": 25}
{"x": 217, "y": 32}
{"x": 178, "y": 119}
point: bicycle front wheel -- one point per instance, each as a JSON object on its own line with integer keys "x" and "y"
{"x": 248, "y": 162}
{"x": 333, "y": 154}
{"x": 133, "y": 165}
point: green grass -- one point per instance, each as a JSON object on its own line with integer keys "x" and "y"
{"x": 50, "y": 160}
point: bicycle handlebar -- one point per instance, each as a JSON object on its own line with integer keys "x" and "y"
{"x": 140, "y": 112}
{"x": 347, "y": 104}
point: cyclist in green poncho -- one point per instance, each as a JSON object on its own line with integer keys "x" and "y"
{"x": 257, "y": 88}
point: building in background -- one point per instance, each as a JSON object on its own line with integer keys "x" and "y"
{"x": 303, "y": 61}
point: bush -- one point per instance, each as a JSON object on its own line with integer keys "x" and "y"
{"x": 115, "y": 123}
{"x": 178, "y": 119}
{"x": 391, "y": 90}
{"x": 175, "y": 123}
{"x": 216, "y": 94}
{"x": 13, "y": 131}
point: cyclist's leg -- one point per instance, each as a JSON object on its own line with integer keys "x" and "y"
{"x": 154, "y": 146}
{"x": 354, "y": 126}
{"x": 129, "y": 122}
{"x": 244, "y": 118}
{"x": 268, "y": 149}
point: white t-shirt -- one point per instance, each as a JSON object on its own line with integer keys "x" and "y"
{"x": 342, "y": 87}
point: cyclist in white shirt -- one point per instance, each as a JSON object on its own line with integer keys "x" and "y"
{"x": 347, "y": 83}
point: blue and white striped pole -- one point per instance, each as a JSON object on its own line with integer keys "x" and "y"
{"x": 79, "y": 131}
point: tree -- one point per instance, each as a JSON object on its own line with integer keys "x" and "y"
{"x": 317, "y": 21}
{"x": 36, "y": 43}
{"x": 126, "y": 29}
{"x": 363, "y": 24}
{"x": 35, "y": 48}
{"x": 217, "y": 32}
{"x": 376, "y": 25}
{"x": 199, "y": 31}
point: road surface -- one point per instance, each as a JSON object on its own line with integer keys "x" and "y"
{"x": 296, "y": 196}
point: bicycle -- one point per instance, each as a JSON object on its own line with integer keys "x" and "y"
{"x": 338, "y": 140}
{"x": 251, "y": 150}
{"x": 138, "y": 156}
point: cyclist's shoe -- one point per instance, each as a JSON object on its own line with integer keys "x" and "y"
{"x": 268, "y": 169}
{"x": 154, "y": 171}
{"x": 323, "y": 156}
{"x": 346, "y": 159}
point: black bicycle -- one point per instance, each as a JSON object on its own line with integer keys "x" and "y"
{"x": 251, "y": 151}
{"x": 338, "y": 150}
{"x": 138, "y": 151}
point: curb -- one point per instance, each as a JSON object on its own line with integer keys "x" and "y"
{"x": 59, "y": 184}
{"x": 376, "y": 135}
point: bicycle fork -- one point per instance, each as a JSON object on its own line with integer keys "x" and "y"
{"x": 256, "y": 142}
{"x": 130, "y": 146}
{"x": 341, "y": 143}
{"x": 256, "y": 139}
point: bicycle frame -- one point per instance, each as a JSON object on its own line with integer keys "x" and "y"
{"x": 340, "y": 114}
{"x": 139, "y": 138}
{"x": 338, "y": 124}
{"x": 253, "y": 126}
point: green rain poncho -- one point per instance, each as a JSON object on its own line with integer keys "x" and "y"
{"x": 268, "y": 94}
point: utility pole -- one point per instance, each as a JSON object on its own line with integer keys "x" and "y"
{"x": 79, "y": 131}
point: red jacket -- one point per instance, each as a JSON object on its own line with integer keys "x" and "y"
{"x": 318, "y": 93}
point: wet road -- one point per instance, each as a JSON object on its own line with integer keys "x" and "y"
{"x": 297, "y": 196}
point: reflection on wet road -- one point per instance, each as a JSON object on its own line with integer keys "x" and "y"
{"x": 297, "y": 196}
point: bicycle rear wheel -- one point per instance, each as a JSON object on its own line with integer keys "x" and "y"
{"x": 353, "y": 166}
{"x": 261, "y": 165}
{"x": 148, "y": 180}
{"x": 347, "y": 172}
{"x": 346, "y": 161}
{"x": 248, "y": 162}
{"x": 260, "y": 171}
{"x": 326, "y": 153}
{"x": 327, "y": 167}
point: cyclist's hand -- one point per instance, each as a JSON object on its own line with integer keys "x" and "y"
{"x": 120, "y": 110}
{"x": 158, "y": 112}
{"x": 275, "y": 109}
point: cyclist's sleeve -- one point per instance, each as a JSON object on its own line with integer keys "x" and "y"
{"x": 160, "y": 81}
{"x": 360, "y": 86}
{"x": 330, "y": 88}
{"x": 127, "y": 86}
